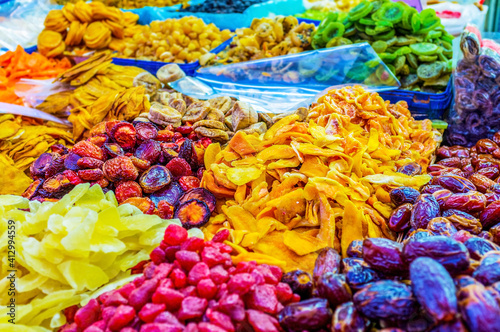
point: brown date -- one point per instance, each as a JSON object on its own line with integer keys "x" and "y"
{"x": 459, "y": 151}
{"x": 334, "y": 288}
{"x": 479, "y": 309}
{"x": 346, "y": 319}
{"x": 463, "y": 220}
{"x": 465, "y": 162}
{"x": 441, "y": 226}
{"x": 478, "y": 247}
{"x": 496, "y": 153}
{"x": 491, "y": 215}
{"x": 470, "y": 202}
{"x": 489, "y": 172}
{"x": 454, "y": 162}
{"x": 384, "y": 255}
{"x": 424, "y": 210}
{"x": 486, "y": 146}
{"x": 434, "y": 289}
{"x": 453, "y": 183}
{"x": 486, "y": 235}
{"x": 310, "y": 314}
{"x": 400, "y": 218}
{"x": 403, "y": 195}
{"x": 430, "y": 189}
{"x": 496, "y": 137}
{"x": 495, "y": 233}
{"x": 449, "y": 171}
{"x": 488, "y": 271}
{"x": 444, "y": 152}
{"x": 355, "y": 249}
{"x": 435, "y": 168}
{"x": 328, "y": 260}
{"x": 455, "y": 326}
{"x": 441, "y": 196}
{"x": 481, "y": 182}
{"x": 410, "y": 169}
{"x": 492, "y": 197}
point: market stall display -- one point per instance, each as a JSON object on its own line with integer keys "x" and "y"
{"x": 128, "y": 4}
{"x": 221, "y": 6}
{"x": 414, "y": 45}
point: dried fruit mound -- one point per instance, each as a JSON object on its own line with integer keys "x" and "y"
{"x": 430, "y": 282}
{"x": 65, "y": 250}
{"x": 19, "y": 64}
{"x": 190, "y": 285}
{"x": 158, "y": 171}
{"x": 304, "y": 186}
{"x": 22, "y": 140}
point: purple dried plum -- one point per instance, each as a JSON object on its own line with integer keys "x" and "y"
{"x": 490, "y": 67}
{"x": 41, "y": 164}
{"x": 481, "y": 99}
{"x": 308, "y": 315}
{"x": 171, "y": 194}
{"x": 328, "y": 260}
{"x": 200, "y": 194}
{"x": 346, "y": 318}
{"x": 355, "y": 249}
{"x": 186, "y": 151}
{"x": 145, "y": 131}
{"x": 384, "y": 255}
{"x": 465, "y": 102}
{"x": 471, "y": 202}
{"x": 476, "y": 124}
{"x": 468, "y": 69}
{"x": 453, "y": 183}
{"x": 192, "y": 213}
{"x": 488, "y": 271}
{"x": 452, "y": 254}
{"x": 424, "y": 210}
{"x": 300, "y": 282}
{"x": 400, "y": 218}
{"x": 57, "y": 184}
{"x": 33, "y": 189}
{"x": 334, "y": 288}
{"x": 464, "y": 83}
{"x": 386, "y": 299}
{"x": 411, "y": 169}
{"x": 478, "y": 247}
{"x": 479, "y": 309}
{"x": 403, "y": 195}
{"x": 434, "y": 289}
{"x": 56, "y": 166}
{"x": 441, "y": 226}
{"x": 155, "y": 178}
{"x": 149, "y": 150}
{"x": 113, "y": 150}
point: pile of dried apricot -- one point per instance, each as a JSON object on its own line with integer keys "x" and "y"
{"x": 301, "y": 187}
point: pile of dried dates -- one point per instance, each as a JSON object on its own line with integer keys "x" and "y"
{"x": 156, "y": 170}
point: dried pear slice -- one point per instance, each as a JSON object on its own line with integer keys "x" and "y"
{"x": 170, "y": 73}
{"x": 430, "y": 71}
{"x": 164, "y": 115}
{"x": 215, "y": 134}
{"x": 399, "y": 63}
{"x": 263, "y": 117}
{"x": 412, "y": 60}
{"x": 197, "y": 111}
{"x": 211, "y": 124}
{"x": 259, "y": 128}
{"x": 215, "y": 115}
{"x": 427, "y": 58}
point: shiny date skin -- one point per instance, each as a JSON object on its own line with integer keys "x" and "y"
{"x": 384, "y": 255}
{"x": 424, "y": 210}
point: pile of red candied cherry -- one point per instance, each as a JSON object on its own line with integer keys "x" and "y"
{"x": 156, "y": 170}
{"x": 189, "y": 285}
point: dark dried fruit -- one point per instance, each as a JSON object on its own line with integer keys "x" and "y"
{"x": 360, "y": 275}
{"x": 453, "y": 183}
{"x": 41, "y": 164}
{"x": 171, "y": 194}
{"x": 71, "y": 161}
{"x": 424, "y": 210}
{"x": 463, "y": 220}
{"x": 478, "y": 247}
{"x": 120, "y": 169}
{"x": 384, "y": 255}
{"x": 441, "y": 226}
{"x": 410, "y": 169}
{"x": 155, "y": 178}
{"x": 32, "y": 190}
{"x": 403, "y": 195}
{"x": 57, "y": 184}
{"x": 192, "y": 213}
{"x": 186, "y": 150}
{"x": 179, "y": 167}
{"x": 306, "y": 315}
{"x": 400, "y": 218}
{"x": 452, "y": 254}
{"x": 481, "y": 182}
{"x": 441, "y": 196}
{"x": 300, "y": 282}
{"x": 434, "y": 289}
{"x": 355, "y": 249}
{"x": 145, "y": 131}
{"x": 91, "y": 174}
{"x": 386, "y": 299}
{"x": 346, "y": 318}
{"x": 471, "y": 202}
{"x": 488, "y": 271}
{"x": 200, "y": 194}
{"x": 149, "y": 150}
{"x": 334, "y": 288}
{"x": 490, "y": 215}
{"x": 479, "y": 309}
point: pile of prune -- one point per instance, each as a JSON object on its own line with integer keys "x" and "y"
{"x": 476, "y": 112}
{"x": 190, "y": 285}
{"x": 222, "y": 6}
{"x": 156, "y": 170}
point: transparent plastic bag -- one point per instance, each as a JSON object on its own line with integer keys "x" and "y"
{"x": 279, "y": 84}
{"x": 475, "y": 113}
{"x": 31, "y": 112}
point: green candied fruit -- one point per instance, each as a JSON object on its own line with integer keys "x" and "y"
{"x": 439, "y": 124}
{"x": 408, "y": 80}
{"x": 334, "y": 29}
{"x": 387, "y": 36}
{"x": 388, "y": 57}
{"x": 405, "y": 70}
{"x": 440, "y": 82}
{"x": 427, "y": 58}
{"x": 430, "y": 71}
{"x": 424, "y": 48}
{"x": 330, "y": 17}
{"x": 399, "y": 63}
{"x": 391, "y": 11}
{"x": 361, "y": 10}
{"x": 412, "y": 60}
{"x": 407, "y": 16}
{"x": 379, "y": 46}
{"x": 367, "y": 21}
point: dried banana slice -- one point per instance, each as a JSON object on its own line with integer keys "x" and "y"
{"x": 164, "y": 115}
{"x": 197, "y": 111}
{"x": 215, "y": 134}
{"x": 170, "y": 73}
{"x": 222, "y": 104}
{"x": 148, "y": 81}
{"x": 211, "y": 124}
{"x": 243, "y": 115}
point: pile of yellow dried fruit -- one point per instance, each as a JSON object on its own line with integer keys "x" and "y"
{"x": 67, "y": 250}
{"x": 82, "y": 26}
{"x": 181, "y": 40}
{"x": 303, "y": 186}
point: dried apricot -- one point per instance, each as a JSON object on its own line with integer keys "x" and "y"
{"x": 91, "y": 174}
{"x": 124, "y": 134}
{"x": 145, "y": 131}
{"x": 127, "y": 189}
{"x": 88, "y": 162}
{"x": 165, "y": 210}
{"x": 141, "y": 164}
{"x": 113, "y": 150}
{"x": 149, "y": 150}
{"x": 189, "y": 182}
{"x": 88, "y": 149}
{"x": 32, "y": 190}
{"x": 120, "y": 168}
{"x": 142, "y": 203}
{"x": 56, "y": 183}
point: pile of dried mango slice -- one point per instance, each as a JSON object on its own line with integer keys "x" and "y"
{"x": 85, "y": 26}
{"x": 22, "y": 141}
{"x": 303, "y": 186}
{"x": 66, "y": 250}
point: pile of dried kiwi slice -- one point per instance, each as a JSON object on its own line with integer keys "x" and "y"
{"x": 415, "y": 46}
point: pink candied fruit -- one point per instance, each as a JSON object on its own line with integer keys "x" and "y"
{"x": 220, "y": 319}
{"x": 170, "y": 297}
{"x": 187, "y": 259}
{"x": 263, "y": 298}
{"x": 198, "y": 272}
{"x": 149, "y": 312}
{"x": 262, "y": 322}
{"x": 240, "y": 283}
{"x": 123, "y": 315}
{"x": 175, "y": 235}
{"x": 233, "y": 306}
{"x": 87, "y": 314}
{"x": 192, "y": 307}
{"x": 212, "y": 256}
{"x": 179, "y": 278}
{"x": 219, "y": 274}
{"x": 207, "y": 289}
{"x": 207, "y": 327}
{"x": 193, "y": 244}
{"x": 161, "y": 327}
{"x": 157, "y": 255}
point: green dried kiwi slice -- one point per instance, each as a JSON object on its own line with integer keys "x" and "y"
{"x": 379, "y": 46}
{"x": 330, "y": 17}
{"x": 384, "y": 23}
{"x": 407, "y": 15}
{"x": 391, "y": 68}
{"x": 428, "y": 20}
{"x": 388, "y": 57}
{"x": 381, "y": 29}
{"x": 447, "y": 48}
{"x": 415, "y": 22}
{"x": 412, "y": 60}
{"x": 392, "y": 12}
{"x": 447, "y": 37}
{"x": 403, "y": 50}
{"x": 416, "y": 38}
{"x": 334, "y": 29}
{"x": 359, "y": 26}
{"x": 351, "y": 31}
{"x": 338, "y": 41}
{"x": 370, "y": 31}
{"x": 441, "y": 55}
{"x": 364, "y": 36}
{"x": 405, "y": 70}
{"x": 430, "y": 71}
{"x": 387, "y": 35}
{"x": 440, "y": 82}
{"x": 403, "y": 41}
{"x": 434, "y": 34}
{"x": 424, "y": 48}
{"x": 347, "y": 24}
{"x": 392, "y": 41}
{"x": 366, "y": 21}
{"x": 427, "y": 58}
{"x": 399, "y": 63}
{"x": 317, "y": 41}
{"x": 408, "y": 80}
{"x": 361, "y": 10}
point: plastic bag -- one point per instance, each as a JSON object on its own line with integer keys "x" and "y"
{"x": 456, "y": 16}
{"x": 475, "y": 113}
{"x": 34, "y": 92}
{"x": 279, "y": 84}
{"x": 30, "y": 112}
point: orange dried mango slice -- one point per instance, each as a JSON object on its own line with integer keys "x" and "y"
{"x": 241, "y": 145}
{"x": 278, "y": 151}
{"x": 243, "y": 175}
{"x": 301, "y": 243}
{"x": 210, "y": 155}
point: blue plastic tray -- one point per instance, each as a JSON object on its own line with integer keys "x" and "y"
{"x": 423, "y": 105}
